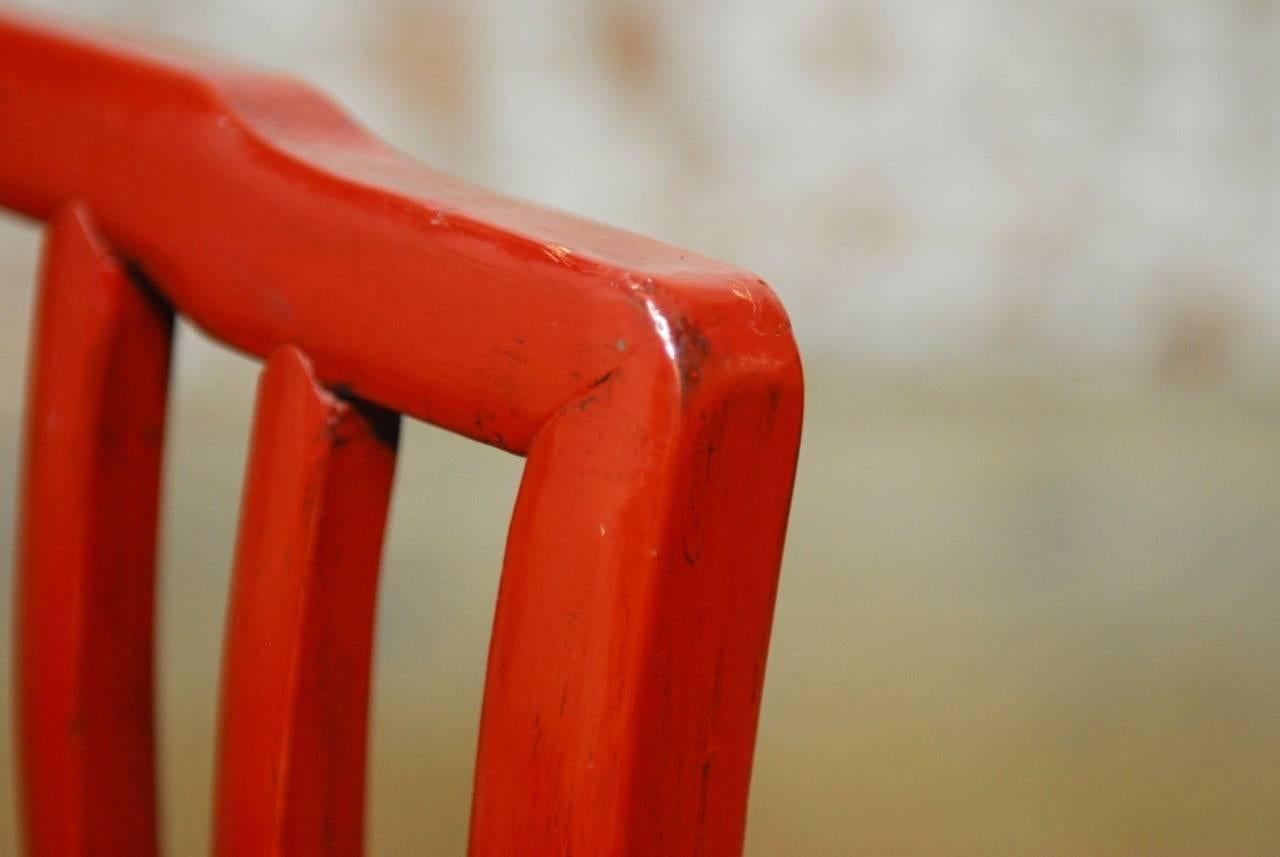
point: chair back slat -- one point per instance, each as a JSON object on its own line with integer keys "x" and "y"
{"x": 294, "y": 701}
{"x": 86, "y": 557}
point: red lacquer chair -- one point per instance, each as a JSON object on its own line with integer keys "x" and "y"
{"x": 655, "y": 394}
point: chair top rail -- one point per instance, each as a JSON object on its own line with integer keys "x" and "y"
{"x": 265, "y": 215}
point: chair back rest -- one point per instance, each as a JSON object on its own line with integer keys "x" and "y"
{"x": 655, "y": 394}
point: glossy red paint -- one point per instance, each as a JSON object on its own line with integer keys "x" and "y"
{"x": 95, "y": 428}
{"x": 657, "y": 395}
{"x": 291, "y": 744}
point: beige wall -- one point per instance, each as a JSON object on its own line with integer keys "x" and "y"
{"x": 1029, "y": 600}
{"x": 1001, "y": 182}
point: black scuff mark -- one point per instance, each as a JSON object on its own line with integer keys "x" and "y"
{"x": 702, "y": 471}
{"x": 692, "y": 349}
{"x": 483, "y": 423}
{"x": 591, "y": 395}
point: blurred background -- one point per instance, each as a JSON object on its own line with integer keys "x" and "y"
{"x": 1030, "y": 601}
